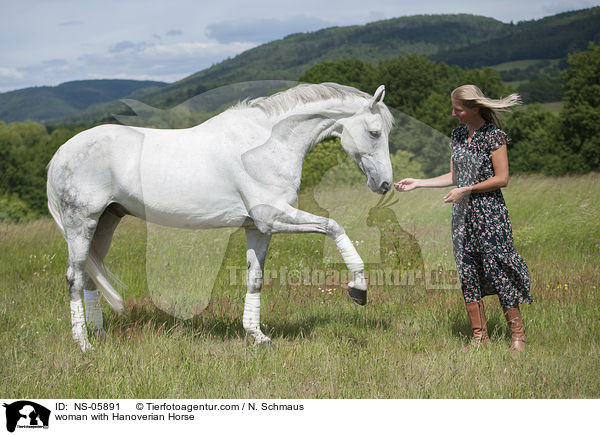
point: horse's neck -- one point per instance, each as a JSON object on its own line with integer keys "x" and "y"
{"x": 298, "y": 131}
{"x": 296, "y": 135}
{"x": 293, "y": 135}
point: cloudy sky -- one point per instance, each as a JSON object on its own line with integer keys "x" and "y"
{"x": 47, "y": 42}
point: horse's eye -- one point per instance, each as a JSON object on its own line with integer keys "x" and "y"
{"x": 375, "y": 133}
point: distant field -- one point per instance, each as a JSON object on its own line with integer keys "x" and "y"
{"x": 408, "y": 342}
{"x": 521, "y": 64}
{"x": 515, "y": 84}
{"x": 554, "y": 107}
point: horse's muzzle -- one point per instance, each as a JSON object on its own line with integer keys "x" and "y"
{"x": 385, "y": 187}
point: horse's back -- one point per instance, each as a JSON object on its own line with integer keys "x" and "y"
{"x": 191, "y": 178}
{"x": 98, "y": 146}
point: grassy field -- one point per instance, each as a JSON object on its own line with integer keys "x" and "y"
{"x": 408, "y": 342}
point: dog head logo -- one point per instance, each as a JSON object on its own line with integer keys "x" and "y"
{"x": 24, "y": 413}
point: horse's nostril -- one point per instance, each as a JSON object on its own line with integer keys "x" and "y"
{"x": 385, "y": 186}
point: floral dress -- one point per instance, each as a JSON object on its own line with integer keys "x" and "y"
{"x": 482, "y": 237}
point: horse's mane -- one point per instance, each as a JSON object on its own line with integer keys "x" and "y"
{"x": 287, "y": 100}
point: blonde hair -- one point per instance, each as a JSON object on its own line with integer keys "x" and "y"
{"x": 471, "y": 96}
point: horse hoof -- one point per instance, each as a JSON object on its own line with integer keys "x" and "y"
{"x": 358, "y": 296}
{"x": 85, "y": 346}
{"x": 264, "y": 343}
{"x": 259, "y": 341}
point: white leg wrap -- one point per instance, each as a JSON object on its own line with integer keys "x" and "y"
{"x": 78, "y": 325}
{"x": 251, "y": 318}
{"x": 351, "y": 257}
{"x": 359, "y": 282}
{"x": 93, "y": 312}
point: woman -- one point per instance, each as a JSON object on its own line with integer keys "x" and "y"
{"x": 486, "y": 259}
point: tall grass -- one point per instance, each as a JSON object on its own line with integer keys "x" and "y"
{"x": 408, "y": 342}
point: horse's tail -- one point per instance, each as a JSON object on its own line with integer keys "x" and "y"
{"x": 53, "y": 207}
{"x": 94, "y": 266}
{"x": 102, "y": 277}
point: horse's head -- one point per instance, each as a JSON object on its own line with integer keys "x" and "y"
{"x": 365, "y": 138}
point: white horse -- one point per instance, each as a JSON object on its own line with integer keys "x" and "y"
{"x": 239, "y": 168}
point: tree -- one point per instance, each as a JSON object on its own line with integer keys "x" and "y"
{"x": 535, "y": 142}
{"x": 350, "y": 72}
{"x": 580, "y": 118}
{"x": 25, "y": 150}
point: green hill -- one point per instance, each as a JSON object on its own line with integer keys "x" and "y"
{"x": 440, "y": 37}
{"x": 52, "y": 102}
{"x": 288, "y": 58}
{"x": 465, "y": 40}
{"x": 548, "y": 38}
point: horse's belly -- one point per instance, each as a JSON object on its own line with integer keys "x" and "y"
{"x": 187, "y": 208}
{"x": 196, "y": 219}
{"x": 187, "y": 192}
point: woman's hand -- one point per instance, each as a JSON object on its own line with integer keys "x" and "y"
{"x": 406, "y": 184}
{"x": 455, "y": 195}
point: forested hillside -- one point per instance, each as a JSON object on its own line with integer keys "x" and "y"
{"x": 552, "y": 37}
{"x": 288, "y": 58}
{"x": 49, "y": 103}
{"x": 448, "y": 38}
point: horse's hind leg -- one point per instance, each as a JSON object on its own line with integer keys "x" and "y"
{"x": 79, "y": 231}
{"x": 256, "y": 246}
{"x": 100, "y": 243}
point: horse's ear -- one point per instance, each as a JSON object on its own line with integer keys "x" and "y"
{"x": 378, "y": 96}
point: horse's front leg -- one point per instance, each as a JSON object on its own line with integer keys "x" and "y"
{"x": 256, "y": 252}
{"x": 287, "y": 219}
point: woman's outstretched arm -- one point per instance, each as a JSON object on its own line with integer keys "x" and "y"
{"x": 412, "y": 183}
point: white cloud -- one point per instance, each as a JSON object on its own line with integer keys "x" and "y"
{"x": 139, "y": 61}
{"x": 10, "y": 73}
{"x": 127, "y": 60}
{"x": 194, "y": 49}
